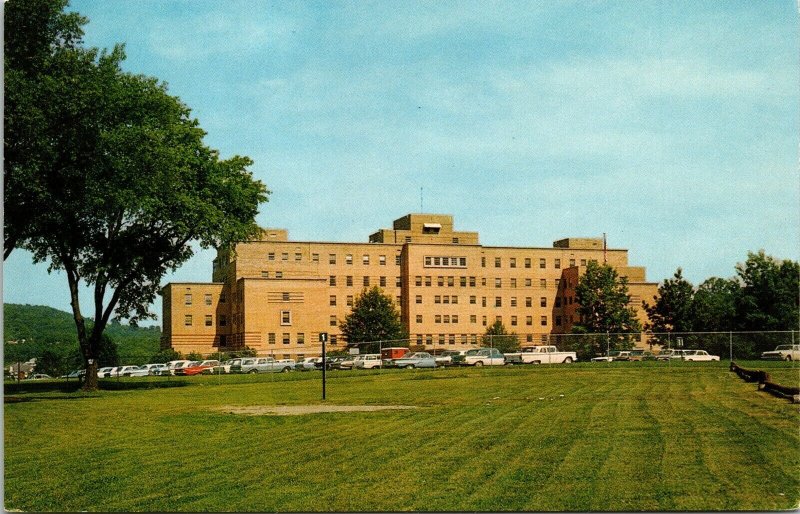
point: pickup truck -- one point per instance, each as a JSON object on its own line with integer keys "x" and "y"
{"x": 784, "y": 352}
{"x": 540, "y": 355}
{"x": 261, "y": 365}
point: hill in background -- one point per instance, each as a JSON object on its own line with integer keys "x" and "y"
{"x": 45, "y": 327}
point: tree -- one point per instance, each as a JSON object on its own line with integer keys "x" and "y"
{"x": 373, "y": 318}
{"x": 768, "y": 298}
{"x": 714, "y": 305}
{"x": 125, "y": 186}
{"x": 672, "y": 307}
{"x": 40, "y": 41}
{"x": 497, "y": 337}
{"x": 165, "y": 355}
{"x": 603, "y": 306}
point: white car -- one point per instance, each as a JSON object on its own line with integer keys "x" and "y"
{"x": 784, "y": 352}
{"x": 698, "y": 355}
{"x": 367, "y": 361}
{"x": 104, "y": 372}
{"x": 172, "y": 366}
{"x": 446, "y": 357}
{"x": 154, "y": 369}
{"x": 132, "y": 371}
{"x": 480, "y": 357}
{"x": 308, "y": 364}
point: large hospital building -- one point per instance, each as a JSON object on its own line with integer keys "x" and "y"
{"x": 276, "y": 295}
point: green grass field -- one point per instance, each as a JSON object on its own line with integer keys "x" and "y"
{"x": 584, "y": 437}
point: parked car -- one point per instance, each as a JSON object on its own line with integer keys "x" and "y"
{"x": 331, "y": 363}
{"x": 540, "y": 354}
{"x": 699, "y": 356}
{"x": 222, "y": 368}
{"x": 172, "y": 366}
{"x": 262, "y": 365}
{"x": 308, "y": 364}
{"x": 415, "y": 360}
{"x": 131, "y": 371}
{"x": 198, "y": 367}
{"x": 368, "y": 361}
{"x": 480, "y": 357}
{"x": 154, "y": 369}
{"x": 78, "y": 373}
{"x": 347, "y": 362}
{"x": 103, "y": 372}
{"x": 638, "y": 354}
{"x": 39, "y": 376}
{"x": 393, "y": 352}
{"x": 606, "y": 358}
{"x": 783, "y": 352}
{"x": 670, "y": 354}
{"x": 446, "y": 357}
{"x": 111, "y": 372}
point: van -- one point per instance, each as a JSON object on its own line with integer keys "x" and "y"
{"x": 393, "y": 352}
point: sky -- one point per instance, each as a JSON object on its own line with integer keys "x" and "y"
{"x": 670, "y": 126}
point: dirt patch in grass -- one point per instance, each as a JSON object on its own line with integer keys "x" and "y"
{"x": 296, "y": 410}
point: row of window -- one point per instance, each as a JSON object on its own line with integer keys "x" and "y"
{"x": 450, "y": 281}
{"x": 366, "y": 281}
{"x": 473, "y": 339}
{"x": 473, "y": 318}
{"x": 445, "y": 262}
{"x": 332, "y": 258}
{"x": 207, "y": 299}
{"x": 208, "y": 320}
{"x": 299, "y": 338}
{"x": 527, "y": 262}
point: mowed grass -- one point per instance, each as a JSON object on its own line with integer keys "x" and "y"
{"x": 582, "y": 437}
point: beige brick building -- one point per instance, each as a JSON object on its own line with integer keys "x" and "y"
{"x": 277, "y": 295}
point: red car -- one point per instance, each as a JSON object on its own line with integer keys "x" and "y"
{"x": 198, "y": 367}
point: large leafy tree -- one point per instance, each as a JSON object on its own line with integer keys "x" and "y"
{"x": 498, "y": 337}
{"x": 373, "y": 318}
{"x": 671, "y": 310}
{"x": 124, "y": 186}
{"x": 768, "y": 298}
{"x": 714, "y": 305}
{"x": 603, "y": 306}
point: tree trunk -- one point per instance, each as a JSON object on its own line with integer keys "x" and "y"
{"x": 88, "y": 350}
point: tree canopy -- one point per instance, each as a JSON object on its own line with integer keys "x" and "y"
{"x": 373, "y": 317}
{"x": 498, "y": 337}
{"x": 120, "y": 183}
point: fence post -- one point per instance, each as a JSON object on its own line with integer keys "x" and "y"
{"x": 730, "y": 339}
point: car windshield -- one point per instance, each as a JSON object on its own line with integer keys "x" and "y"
{"x": 473, "y": 352}
{"x": 784, "y": 347}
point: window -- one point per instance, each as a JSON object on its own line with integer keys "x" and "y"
{"x": 285, "y": 256}
{"x": 418, "y": 280}
{"x": 208, "y": 299}
{"x": 349, "y": 300}
{"x": 483, "y": 262}
{"x": 428, "y": 338}
{"x": 397, "y": 260}
{"x": 529, "y": 320}
{"x": 271, "y": 256}
{"x": 365, "y": 259}
{"x": 332, "y": 280}
{"x": 315, "y": 257}
{"x": 209, "y": 320}
{"x": 382, "y": 281}
{"x": 498, "y": 301}
{"x": 286, "y": 338}
{"x": 187, "y": 299}
{"x": 558, "y": 263}
{"x": 427, "y": 281}
{"x": 285, "y": 297}
{"x": 543, "y": 301}
{"x": 473, "y": 300}
{"x": 348, "y": 259}
{"x": 455, "y": 240}
{"x": 332, "y": 258}
{"x": 513, "y": 301}
{"x": 298, "y": 257}
{"x": 333, "y": 300}
{"x": 512, "y": 262}
{"x": 440, "y": 281}
{"x": 265, "y": 274}
{"x": 446, "y": 318}
{"x": 572, "y": 262}
{"x": 301, "y": 338}
{"x": 223, "y": 320}
{"x": 513, "y": 321}
{"x": 543, "y": 283}
{"x": 528, "y": 301}
{"x": 483, "y": 301}
{"x": 187, "y": 320}
{"x": 366, "y": 281}
{"x": 451, "y": 281}
{"x": 483, "y": 281}
{"x": 398, "y": 282}
{"x": 542, "y": 263}
{"x": 278, "y": 274}
{"x": 498, "y": 282}
{"x": 463, "y": 281}
{"x": 437, "y": 299}
{"x": 451, "y": 339}
{"x": 382, "y": 260}
{"x": 471, "y": 281}
{"x": 408, "y": 239}
{"x": 455, "y": 318}
{"x": 544, "y": 321}
{"x": 513, "y": 282}
{"x": 483, "y": 321}
{"x": 349, "y": 280}
{"x": 583, "y": 262}
{"x": 271, "y": 338}
{"x": 418, "y": 298}
{"x": 441, "y": 338}
{"x": 497, "y": 262}
{"x": 473, "y": 318}
{"x": 557, "y": 283}
{"x": 437, "y": 318}
{"x": 419, "y": 338}
{"x": 446, "y": 299}
{"x": 527, "y": 262}
{"x": 333, "y": 323}
{"x": 419, "y": 318}
{"x": 528, "y": 282}
{"x": 454, "y": 299}
{"x": 286, "y": 317}
{"x": 334, "y": 339}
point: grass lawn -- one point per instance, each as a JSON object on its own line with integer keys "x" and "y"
{"x": 581, "y": 437}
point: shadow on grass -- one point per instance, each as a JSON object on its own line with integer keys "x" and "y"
{"x": 74, "y": 387}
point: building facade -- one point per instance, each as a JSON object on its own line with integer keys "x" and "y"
{"x": 276, "y": 296}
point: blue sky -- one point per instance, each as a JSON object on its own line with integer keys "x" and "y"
{"x": 670, "y": 126}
